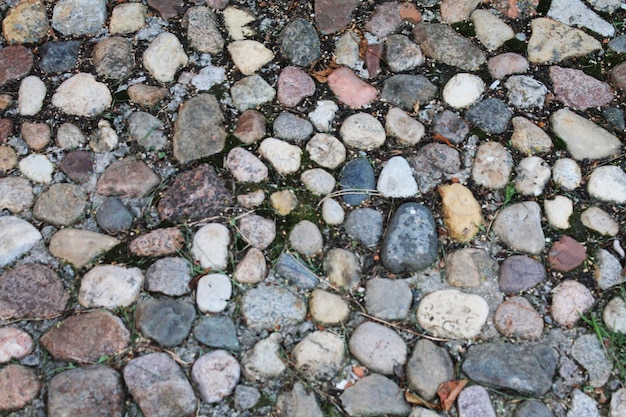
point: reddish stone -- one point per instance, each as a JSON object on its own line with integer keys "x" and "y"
{"x": 167, "y": 8}
{"x": 409, "y": 12}
{"x": 146, "y": 95}
{"x": 159, "y": 242}
{"x": 18, "y": 386}
{"x": 195, "y": 195}
{"x": 31, "y": 291}
{"x": 14, "y": 344}
{"x": 77, "y": 165}
{"x": 6, "y": 129}
{"x": 372, "y": 58}
{"x": 566, "y": 254}
{"x": 385, "y": 20}
{"x": 250, "y": 126}
{"x": 294, "y": 85}
{"x": 618, "y": 76}
{"x": 36, "y": 135}
{"x": 579, "y": 90}
{"x": 127, "y": 178}
{"x": 333, "y": 15}
{"x": 515, "y": 9}
{"x": 15, "y": 63}
{"x": 350, "y": 89}
{"x": 87, "y": 337}
{"x": 516, "y": 317}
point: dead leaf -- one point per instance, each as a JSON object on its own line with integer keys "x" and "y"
{"x": 417, "y": 400}
{"x": 448, "y": 391}
{"x": 359, "y": 371}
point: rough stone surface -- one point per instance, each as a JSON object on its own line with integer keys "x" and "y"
{"x": 428, "y": 367}
{"x": 519, "y": 227}
{"x": 374, "y": 395}
{"x": 452, "y": 314}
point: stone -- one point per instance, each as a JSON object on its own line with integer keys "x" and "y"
{"x": 288, "y": 126}
{"x": 525, "y": 369}
{"x": 618, "y": 76}
{"x": 284, "y": 157}
{"x": 199, "y": 129}
{"x": 455, "y": 11}
{"x": 470, "y": 267}
{"x": 113, "y": 57}
{"x": 169, "y": 276}
{"x": 167, "y": 8}
{"x": 618, "y": 403}
{"x": 374, "y": 395}
{"x": 249, "y": 56}
{"x": 90, "y": 391}
{"x": 558, "y": 211}
{"x": 318, "y": 181}
{"x": 579, "y": 90}
{"x": 475, "y": 401}
{"x": 608, "y": 183}
{"x": 520, "y": 273}
{"x": 215, "y": 374}
{"x": 79, "y": 247}
{"x": 396, "y": 179}
{"x": 61, "y": 204}
{"x": 461, "y": 212}
{"x": 365, "y": 225}
{"x": 319, "y": 355}
{"x": 529, "y": 138}
{"x": 252, "y": 269}
{"x": 463, "y": 90}
{"x": 596, "y": 219}
{"x": 127, "y": 177}
{"x": 202, "y": 30}
{"x": 401, "y": 54}
{"x": 213, "y": 292}
{"x": 379, "y": 291}
{"x": 58, "y": 56}
{"x": 566, "y": 174}
{"x": 19, "y": 386}
{"x": 362, "y": 131}
{"x": 159, "y": 386}
{"x": 553, "y": 42}
{"x": 167, "y": 321}
{"x": 36, "y": 135}
{"x": 69, "y": 136}
{"x": 37, "y": 168}
{"x": 328, "y": 309}
{"x": 452, "y": 314}
{"x": 386, "y": 19}
{"x": 516, "y": 318}
{"x": 77, "y": 165}
{"x": 250, "y": 126}
{"x": 294, "y": 85}
{"x": 583, "y": 405}
{"x": 607, "y": 270}
{"x": 252, "y": 199}
{"x": 378, "y": 347}
{"x": 428, "y": 367}
{"x": 16, "y": 62}
{"x": 85, "y": 338}
{"x": 451, "y": 126}
{"x": 491, "y": 115}
{"x": 566, "y": 254}
{"x": 614, "y": 314}
{"x": 210, "y": 246}
{"x": 104, "y": 138}
{"x": 245, "y": 166}
{"x": 217, "y": 332}
{"x": 326, "y": 150}
{"x": 342, "y": 268}
{"x": 258, "y": 231}
{"x": 110, "y": 286}
{"x": 583, "y": 138}
{"x": 332, "y": 16}
{"x": 25, "y": 22}
{"x": 444, "y": 44}
{"x": 506, "y": 64}
{"x": 407, "y": 91}
{"x": 284, "y": 202}
{"x": 525, "y": 92}
{"x": 270, "y": 306}
{"x": 306, "y": 238}
{"x": 236, "y": 22}
{"x": 570, "y": 299}
{"x": 323, "y": 115}
{"x": 31, "y": 95}
{"x": 146, "y": 95}
{"x": 127, "y": 18}
{"x": 147, "y": 131}
{"x": 490, "y": 30}
{"x": 532, "y": 408}
{"x": 350, "y": 89}
{"x": 251, "y": 92}
{"x": 14, "y": 344}
{"x": 164, "y": 57}
{"x": 16, "y": 194}
{"x": 17, "y": 237}
{"x": 208, "y": 77}
{"x": 300, "y": 43}
{"x": 81, "y": 95}
{"x": 8, "y": 159}
{"x": 590, "y": 353}
{"x": 578, "y": 14}
{"x": 410, "y": 243}
{"x": 406, "y": 130}
{"x": 519, "y": 227}
{"x": 78, "y": 17}
{"x": 31, "y": 291}
{"x": 533, "y": 173}
{"x": 298, "y": 403}
{"x": 263, "y": 361}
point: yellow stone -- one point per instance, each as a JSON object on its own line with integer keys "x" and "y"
{"x": 462, "y": 215}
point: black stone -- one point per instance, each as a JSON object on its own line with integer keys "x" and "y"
{"x": 217, "y": 332}
{"x": 113, "y": 216}
{"x": 165, "y": 320}
{"x": 295, "y": 272}
{"x": 405, "y": 90}
{"x": 300, "y": 43}
{"x": 491, "y": 115}
{"x": 60, "y": 56}
{"x": 357, "y": 175}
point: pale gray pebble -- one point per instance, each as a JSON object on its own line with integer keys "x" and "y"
{"x": 526, "y": 92}
{"x": 607, "y": 270}
{"x": 532, "y": 408}
{"x": 318, "y": 181}
{"x": 614, "y": 315}
{"x": 567, "y": 174}
{"x": 306, "y": 238}
{"x": 378, "y": 347}
{"x": 250, "y": 92}
{"x": 299, "y": 403}
{"x": 332, "y": 212}
{"x": 588, "y": 351}
{"x": 264, "y": 361}
{"x": 295, "y": 272}
{"x": 374, "y": 395}
{"x": 246, "y": 397}
{"x": 170, "y": 276}
{"x": 379, "y": 291}
{"x": 428, "y": 367}
{"x": 269, "y": 306}
{"x": 289, "y": 127}
{"x": 218, "y": 332}
{"x": 583, "y": 405}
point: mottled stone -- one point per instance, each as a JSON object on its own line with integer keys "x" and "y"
{"x": 164, "y": 57}
{"x": 79, "y": 17}
{"x": 378, "y": 347}
{"x": 159, "y": 242}
{"x": 19, "y": 386}
{"x": 217, "y": 332}
{"x": 299, "y": 42}
{"x": 365, "y": 225}
{"x": 14, "y": 344}
{"x": 268, "y": 306}
{"x": 350, "y": 89}
{"x": 58, "y": 56}
{"x": 342, "y": 268}
{"x": 114, "y": 57}
{"x": 470, "y": 267}
{"x": 16, "y": 194}
{"x": 332, "y": 16}
{"x": 294, "y": 84}
{"x": 452, "y": 314}
{"x": 15, "y": 63}
{"x": 579, "y": 90}
{"x": 379, "y": 291}
{"x": 570, "y": 300}
{"x": 326, "y": 150}
{"x": 444, "y": 44}
{"x": 110, "y": 286}
{"x": 491, "y": 115}
{"x": 202, "y": 30}
{"x": 264, "y": 360}
{"x": 79, "y": 247}
{"x": 252, "y": 268}
{"x": 516, "y": 317}
{"x": 170, "y": 276}
{"x": 319, "y": 355}
{"x": 408, "y": 91}
{"x": 61, "y": 204}
{"x": 215, "y": 374}
{"x": 249, "y": 56}
{"x": 77, "y": 165}
{"x": 429, "y": 366}
{"x": 553, "y": 42}
{"x": 250, "y": 126}
{"x": 165, "y": 320}
{"x": 25, "y": 22}
{"x": 589, "y": 352}
{"x": 566, "y": 254}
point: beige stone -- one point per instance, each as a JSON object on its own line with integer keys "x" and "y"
{"x": 249, "y": 56}
{"x": 79, "y": 247}
{"x": 462, "y": 213}
{"x": 553, "y": 42}
{"x": 328, "y": 309}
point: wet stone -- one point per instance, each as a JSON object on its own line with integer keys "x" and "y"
{"x": 328, "y": 309}
{"x": 251, "y": 92}
{"x": 215, "y": 374}
{"x": 350, "y": 89}
{"x": 570, "y": 299}
{"x": 86, "y": 337}
{"x": 90, "y": 391}
{"x": 15, "y": 63}
{"x": 58, "y": 56}
{"x": 579, "y": 90}
{"x": 470, "y": 267}
{"x": 452, "y": 127}
{"x": 491, "y": 115}
{"x": 158, "y": 242}
{"x": 452, "y": 314}
{"x": 506, "y": 64}
{"x": 289, "y": 127}
{"x": 165, "y": 320}
{"x": 113, "y": 57}
{"x": 355, "y": 176}
{"x": 77, "y": 165}
{"x": 434, "y": 163}
{"x": 82, "y": 95}
{"x": 19, "y": 386}
{"x": 299, "y": 42}
{"x": 16, "y": 194}
{"x": 110, "y": 286}
{"x": 252, "y": 268}
{"x": 217, "y": 332}
{"x": 14, "y": 344}
{"x": 429, "y": 366}
{"x": 588, "y": 351}
{"x": 374, "y": 395}
{"x": 202, "y": 30}
{"x": 401, "y": 54}
{"x": 525, "y": 369}
{"x": 332, "y": 16}
{"x": 298, "y": 403}
{"x": 213, "y": 293}
{"x": 378, "y": 347}
{"x": 264, "y": 361}
{"x": 520, "y": 273}
{"x": 365, "y": 225}
{"x": 444, "y": 44}
{"x": 407, "y": 91}
{"x": 169, "y": 276}
{"x": 379, "y": 291}
{"x": 410, "y": 243}
{"x": 519, "y": 227}
{"x": 525, "y": 92}
{"x": 517, "y": 318}
{"x": 326, "y": 150}
{"x": 164, "y": 57}
{"x": 159, "y": 386}
{"x": 566, "y": 254}
{"x": 294, "y": 84}
{"x": 79, "y": 247}
{"x": 319, "y": 355}
{"x": 406, "y": 130}
{"x": 270, "y": 306}
{"x": 295, "y": 272}
{"x": 79, "y": 17}
{"x": 147, "y": 131}
{"x": 25, "y": 22}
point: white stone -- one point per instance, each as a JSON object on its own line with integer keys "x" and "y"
{"x": 600, "y": 221}
{"x": 14, "y": 344}
{"x": 396, "y": 179}
{"x": 249, "y": 56}
{"x": 264, "y": 361}
{"x": 327, "y": 308}
{"x": 552, "y": 41}
{"x": 326, "y": 150}
{"x": 245, "y": 166}
{"x": 347, "y": 50}
{"x": 490, "y": 30}
{"x": 519, "y": 227}
{"x": 31, "y": 95}
{"x": 576, "y": 13}
{"x": 81, "y": 95}
{"x": 378, "y": 347}
{"x": 452, "y": 314}
{"x": 492, "y": 165}
{"x": 252, "y": 268}
{"x": 566, "y": 174}
{"x": 216, "y": 375}
{"x": 127, "y": 18}
{"x": 323, "y": 115}
{"x": 213, "y": 293}
{"x": 533, "y": 173}
{"x": 284, "y": 157}
{"x": 558, "y": 211}
{"x": 236, "y": 21}
{"x": 332, "y": 212}
{"x": 362, "y": 131}
{"x": 210, "y": 246}
{"x": 526, "y": 92}
{"x": 110, "y": 286}
{"x": 614, "y": 315}
{"x": 618, "y": 403}
{"x": 583, "y": 138}
{"x": 164, "y": 57}
{"x": 17, "y": 237}
{"x": 37, "y": 168}
{"x": 318, "y": 181}
{"x": 463, "y": 90}
{"x": 404, "y": 128}
{"x": 582, "y": 405}
{"x": 319, "y": 355}
{"x": 208, "y": 77}
{"x": 608, "y": 183}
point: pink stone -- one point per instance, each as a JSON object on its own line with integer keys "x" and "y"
{"x": 569, "y": 301}
{"x": 15, "y": 62}
{"x": 566, "y": 254}
{"x": 294, "y": 85}
{"x": 14, "y": 344}
{"x": 506, "y": 64}
{"x": 333, "y": 15}
{"x": 372, "y": 58}
{"x": 159, "y": 242}
{"x": 579, "y": 90}
{"x": 19, "y": 385}
{"x": 350, "y": 89}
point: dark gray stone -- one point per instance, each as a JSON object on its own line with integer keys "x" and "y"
{"x": 615, "y": 116}
{"x": 58, "y": 56}
{"x": 520, "y": 273}
{"x": 530, "y": 408}
{"x": 365, "y": 225}
{"x": 113, "y": 216}
{"x": 525, "y": 369}
{"x": 165, "y": 320}
{"x": 410, "y": 243}
{"x": 300, "y": 43}
{"x": 295, "y": 272}
{"x": 442, "y": 43}
{"x": 451, "y": 126}
{"x": 218, "y": 332}
{"x": 491, "y": 115}
{"x": 405, "y": 90}
{"x": 357, "y": 175}
{"x": 374, "y": 395}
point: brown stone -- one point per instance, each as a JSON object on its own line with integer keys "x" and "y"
{"x": 31, "y": 291}
{"x": 333, "y": 15}
{"x": 19, "y": 385}
{"x": 195, "y": 195}
{"x": 516, "y": 317}
{"x": 77, "y": 165}
{"x": 86, "y": 337}
{"x": 127, "y": 178}
{"x": 146, "y": 95}
{"x": 618, "y": 76}
{"x": 250, "y": 126}
{"x": 372, "y": 58}
{"x": 92, "y": 391}
{"x": 15, "y": 63}
{"x": 6, "y": 129}
{"x": 36, "y": 135}
{"x": 462, "y": 213}
{"x": 159, "y": 242}
{"x": 167, "y": 8}
{"x": 566, "y": 254}
{"x": 8, "y": 159}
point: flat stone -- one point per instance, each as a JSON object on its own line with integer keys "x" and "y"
{"x": 26, "y": 22}
{"x": 252, "y": 269}
{"x": 169, "y": 276}
{"x": 350, "y": 89}
{"x": 566, "y": 254}
{"x": 250, "y": 126}
{"x": 410, "y": 243}
{"x": 14, "y": 344}
{"x": 270, "y": 306}
{"x": 463, "y": 90}
{"x": 58, "y": 56}
{"x": 127, "y": 177}
{"x": 590, "y": 353}
{"x": 79, "y": 247}
{"x": 365, "y": 225}
{"x": 288, "y": 126}
{"x": 164, "y": 57}
{"x": 558, "y": 211}
{"x": 85, "y": 338}
{"x": 519, "y": 227}
{"x": 213, "y": 292}
{"x": 520, "y": 273}
{"x": 16, "y": 194}
{"x": 159, "y": 386}
{"x": 434, "y": 163}
{"x": 323, "y": 115}
{"x": 408, "y": 91}
{"x": 196, "y": 194}
{"x": 579, "y": 90}
{"x": 264, "y": 361}
{"x": 462, "y": 214}
{"x": 110, "y": 286}
{"x": 576, "y": 13}
{"x": 429, "y": 366}
{"x": 396, "y": 179}
{"x": 614, "y": 314}
{"x": 210, "y": 246}
{"x": 113, "y": 216}
{"x": 249, "y": 56}
{"x": 159, "y": 242}
{"x": 374, "y": 395}
{"x": 332, "y": 16}
{"x": 127, "y": 18}
{"x": 378, "y": 347}
{"x": 295, "y": 272}
{"x": 470, "y": 267}
{"x": 452, "y": 314}
{"x": 529, "y": 138}
{"x": 491, "y": 115}
{"x": 167, "y": 8}
{"x": 506, "y": 64}
{"x": 525, "y": 369}
{"x": 570, "y": 299}
{"x": 385, "y": 20}
{"x": 532, "y": 175}
{"x": 31, "y": 95}
{"x": 81, "y": 95}
{"x": 319, "y": 355}
{"x": 553, "y": 42}
{"x": 19, "y": 386}
{"x": 15, "y": 63}
{"x": 298, "y": 402}
{"x": 251, "y": 92}
{"x": 600, "y": 221}
{"x": 215, "y": 374}
{"x": 17, "y": 237}
{"x": 583, "y": 405}
{"x": 490, "y": 30}
{"x": 516, "y": 318}
{"x": 326, "y": 150}
{"x": 328, "y": 309}
{"x": 77, "y": 165}
{"x": 294, "y": 85}
{"x": 607, "y": 270}
{"x": 146, "y": 95}
{"x": 167, "y": 321}
{"x": 218, "y": 332}
{"x": 406, "y": 130}
{"x": 608, "y": 183}
{"x": 147, "y": 131}
{"x": 379, "y": 291}
{"x": 444, "y": 44}
{"x": 202, "y": 30}
{"x": 78, "y": 17}
{"x": 284, "y": 157}
{"x": 300, "y": 43}
{"x": 89, "y": 391}
{"x": 318, "y": 181}
{"x": 61, "y": 204}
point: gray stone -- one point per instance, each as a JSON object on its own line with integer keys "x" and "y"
{"x": 300, "y": 43}
{"x": 379, "y": 291}
{"x": 298, "y": 403}
{"x": 295, "y": 272}
{"x": 217, "y": 332}
{"x": 16, "y": 194}
{"x": 429, "y": 366}
{"x": 165, "y": 320}
{"x": 113, "y": 216}
{"x": 583, "y": 405}
{"x": 374, "y": 395}
{"x": 114, "y": 57}
{"x": 250, "y": 92}
{"x": 288, "y": 126}
{"x": 608, "y": 183}
{"x": 608, "y": 270}
{"x": 474, "y": 401}
{"x": 434, "y": 163}
{"x": 365, "y": 225}
{"x": 306, "y": 238}
{"x": 614, "y": 315}
{"x": 270, "y": 306}
{"x": 264, "y": 361}
{"x": 246, "y": 397}
{"x": 401, "y": 54}
{"x": 202, "y": 30}
{"x": 258, "y": 231}
{"x": 519, "y": 227}
{"x": 378, "y": 347}
{"x": 147, "y": 131}
{"x": 532, "y": 408}
{"x": 17, "y": 236}
{"x": 408, "y": 91}
{"x": 576, "y": 13}
{"x": 58, "y": 56}
{"x": 215, "y": 375}
{"x": 470, "y": 267}
{"x": 444, "y": 44}
{"x": 491, "y": 115}
{"x": 525, "y": 91}
{"x": 79, "y": 17}
{"x": 319, "y": 355}
{"x": 591, "y": 354}
{"x": 396, "y": 179}
{"x": 169, "y": 276}
{"x": 356, "y": 179}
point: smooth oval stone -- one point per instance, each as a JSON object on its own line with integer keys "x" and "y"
{"x": 516, "y": 317}
{"x": 378, "y": 347}
{"x": 375, "y": 395}
{"x": 452, "y": 314}
{"x": 215, "y": 374}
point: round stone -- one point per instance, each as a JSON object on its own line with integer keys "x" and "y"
{"x": 31, "y": 95}
{"x": 327, "y": 308}
{"x": 306, "y": 238}
{"x": 318, "y": 181}
{"x": 257, "y": 231}
{"x": 492, "y": 166}
{"x": 37, "y": 168}
{"x": 164, "y": 57}
{"x": 213, "y": 293}
{"x": 569, "y": 300}
{"x": 463, "y": 90}
{"x": 319, "y": 355}
{"x": 14, "y": 344}
{"x": 614, "y": 315}
{"x": 362, "y": 131}
{"x": 110, "y": 286}
{"x": 452, "y": 314}
{"x": 215, "y": 374}
{"x": 332, "y": 212}
{"x": 210, "y": 246}
{"x": 326, "y": 150}
{"x": 516, "y": 317}
{"x": 81, "y": 95}
{"x": 608, "y": 183}
{"x": 252, "y": 268}
{"x": 566, "y": 174}
{"x": 378, "y": 347}
{"x": 600, "y": 221}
